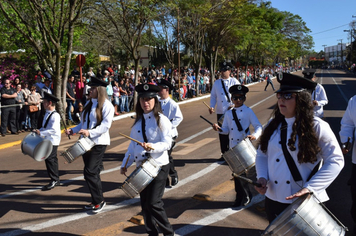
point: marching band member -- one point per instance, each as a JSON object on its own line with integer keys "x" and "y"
{"x": 236, "y": 124}
{"x": 95, "y": 123}
{"x": 348, "y": 124}
{"x": 319, "y": 98}
{"x": 51, "y": 130}
{"x": 172, "y": 111}
{"x": 220, "y": 98}
{"x": 292, "y": 146}
{"x": 154, "y": 130}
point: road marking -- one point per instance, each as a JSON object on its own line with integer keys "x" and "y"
{"x": 215, "y": 217}
{"x": 338, "y": 87}
{"x": 191, "y": 147}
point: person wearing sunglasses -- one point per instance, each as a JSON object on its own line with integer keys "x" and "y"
{"x": 236, "y": 125}
{"x": 319, "y": 98}
{"x": 292, "y": 148}
{"x": 221, "y": 98}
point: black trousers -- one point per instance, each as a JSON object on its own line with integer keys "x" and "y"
{"x": 152, "y": 205}
{"x": 241, "y": 188}
{"x": 52, "y": 165}
{"x": 172, "y": 170}
{"x": 34, "y": 119}
{"x": 353, "y": 193}
{"x": 274, "y": 208}
{"x": 224, "y": 139}
{"x": 8, "y": 115}
{"x": 92, "y": 161}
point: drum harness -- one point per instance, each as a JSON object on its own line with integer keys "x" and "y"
{"x": 227, "y": 95}
{"x": 294, "y": 170}
{"x": 143, "y": 127}
{"x": 47, "y": 120}
{"x": 238, "y": 124}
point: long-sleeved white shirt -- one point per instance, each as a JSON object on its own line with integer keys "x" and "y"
{"x": 348, "y": 124}
{"x": 171, "y": 109}
{"x": 246, "y": 117}
{"x": 319, "y": 95}
{"x": 53, "y": 130}
{"x": 100, "y": 134}
{"x": 273, "y": 167}
{"x": 218, "y": 97}
{"x": 159, "y": 136}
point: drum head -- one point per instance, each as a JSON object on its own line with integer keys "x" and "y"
{"x": 42, "y": 150}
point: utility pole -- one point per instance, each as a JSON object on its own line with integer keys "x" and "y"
{"x": 342, "y": 62}
{"x": 324, "y": 53}
{"x": 350, "y": 30}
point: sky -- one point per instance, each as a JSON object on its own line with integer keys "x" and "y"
{"x": 327, "y": 19}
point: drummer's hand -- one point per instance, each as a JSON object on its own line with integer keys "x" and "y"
{"x": 315, "y": 103}
{"x": 68, "y": 131}
{"x": 37, "y": 131}
{"x": 123, "y": 170}
{"x": 84, "y": 132}
{"x": 147, "y": 146}
{"x": 216, "y": 127}
{"x": 211, "y": 110}
{"x": 344, "y": 150}
{"x": 230, "y": 107}
{"x": 251, "y": 137}
{"x": 298, "y": 194}
{"x": 261, "y": 190}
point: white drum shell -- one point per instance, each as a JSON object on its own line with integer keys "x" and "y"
{"x": 140, "y": 178}
{"x": 304, "y": 217}
{"x": 79, "y": 148}
{"x": 241, "y": 157}
{"x": 36, "y": 147}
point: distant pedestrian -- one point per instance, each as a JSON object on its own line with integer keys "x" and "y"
{"x": 269, "y": 81}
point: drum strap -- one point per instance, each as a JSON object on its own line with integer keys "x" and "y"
{"x": 143, "y": 127}
{"x": 289, "y": 159}
{"x": 47, "y": 120}
{"x": 238, "y": 124}
{"x": 227, "y": 95}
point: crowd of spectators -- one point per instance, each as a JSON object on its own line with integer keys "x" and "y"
{"x": 121, "y": 86}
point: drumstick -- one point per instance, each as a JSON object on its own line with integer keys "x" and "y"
{"x": 132, "y": 139}
{"x": 127, "y": 160}
{"x": 210, "y": 123}
{"x": 207, "y": 105}
{"x": 248, "y": 180}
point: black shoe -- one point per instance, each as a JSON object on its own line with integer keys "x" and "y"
{"x": 99, "y": 207}
{"x": 174, "y": 180}
{"x": 51, "y": 185}
{"x": 89, "y": 206}
{"x": 3, "y": 135}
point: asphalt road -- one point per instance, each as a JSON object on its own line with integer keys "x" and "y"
{"x": 199, "y": 205}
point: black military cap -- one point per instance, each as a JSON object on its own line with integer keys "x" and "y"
{"x": 309, "y": 73}
{"x": 238, "y": 89}
{"x": 50, "y": 97}
{"x": 224, "y": 66}
{"x": 147, "y": 90}
{"x": 95, "y": 82}
{"x": 165, "y": 83}
{"x": 294, "y": 83}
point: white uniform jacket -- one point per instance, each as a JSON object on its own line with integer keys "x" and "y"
{"x": 273, "y": 166}
{"x": 53, "y": 130}
{"x": 246, "y": 117}
{"x": 99, "y": 134}
{"x": 319, "y": 95}
{"x": 171, "y": 109}
{"x": 160, "y": 138}
{"x": 348, "y": 124}
{"x": 218, "y": 97}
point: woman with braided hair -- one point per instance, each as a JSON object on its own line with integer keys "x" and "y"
{"x": 294, "y": 135}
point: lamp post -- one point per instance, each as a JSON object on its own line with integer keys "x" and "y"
{"x": 350, "y": 30}
{"x": 324, "y": 51}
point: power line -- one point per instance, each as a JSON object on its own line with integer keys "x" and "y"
{"x": 330, "y": 29}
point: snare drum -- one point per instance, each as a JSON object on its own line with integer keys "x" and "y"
{"x": 141, "y": 177}
{"x": 79, "y": 148}
{"x": 36, "y": 147}
{"x": 242, "y": 157}
{"x": 305, "y": 217}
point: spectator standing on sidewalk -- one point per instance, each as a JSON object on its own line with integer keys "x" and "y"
{"x": 8, "y": 112}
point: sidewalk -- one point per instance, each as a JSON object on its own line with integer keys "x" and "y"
{"x": 11, "y": 140}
